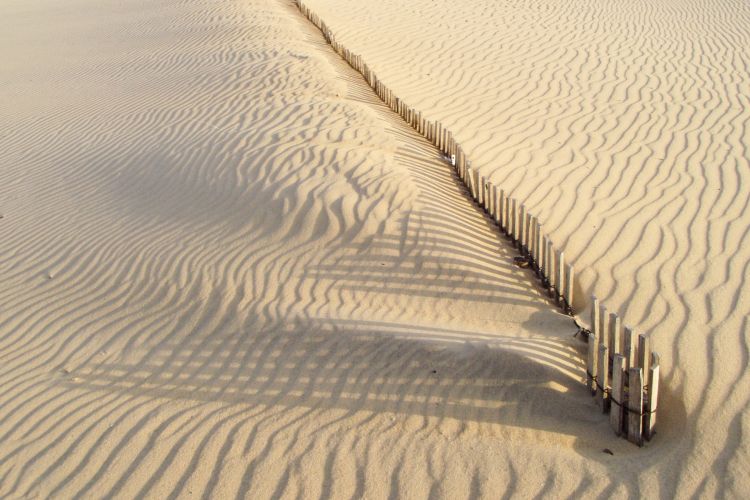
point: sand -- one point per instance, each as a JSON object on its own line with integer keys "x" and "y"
{"x": 624, "y": 126}
{"x": 228, "y": 270}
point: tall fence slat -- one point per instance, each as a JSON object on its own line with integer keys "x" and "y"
{"x": 635, "y": 406}
{"x": 618, "y": 393}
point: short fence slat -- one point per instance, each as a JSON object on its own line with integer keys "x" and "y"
{"x": 513, "y": 219}
{"x": 521, "y": 219}
{"x": 635, "y": 406}
{"x": 618, "y": 393}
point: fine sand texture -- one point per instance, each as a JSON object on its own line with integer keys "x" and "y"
{"x": 625, "y": 126}
{"x": 227, "y": 270}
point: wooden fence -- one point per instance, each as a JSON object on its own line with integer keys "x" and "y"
{"x": 623, "y": 377}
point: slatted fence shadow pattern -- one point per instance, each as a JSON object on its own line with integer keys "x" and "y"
{"x": 623, "y": 376}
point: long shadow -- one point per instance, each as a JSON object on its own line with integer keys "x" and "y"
{"x": 366, "y": 366}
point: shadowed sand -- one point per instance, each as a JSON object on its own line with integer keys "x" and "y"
{"x": 228, "y": 270}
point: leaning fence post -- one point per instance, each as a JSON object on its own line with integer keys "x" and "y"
{"x": 519, "y": 230}
{"x": 635, "y": 406}
{"x": 618, "y": 392}
{"x": 653, "y": 396}
{"x": 602, "y": 378}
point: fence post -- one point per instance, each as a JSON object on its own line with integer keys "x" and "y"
{"x": 629, "y": 347}
{"x": 539, "y": 248}
{"x": 653, "y": 396}
{"x": 602, "y": 378}
{"x": 559, "y": 284}
{"x": 569, "y": 277}
{"x": 614, "y": 334}
{"x": 635, "y": 406}
{"x": 644, "y": 353}
{"x": 603, "y": 326}
{"x": 618, "y": 393}
{"x": 591, "y": 373}
{"x": 550, "y": 254}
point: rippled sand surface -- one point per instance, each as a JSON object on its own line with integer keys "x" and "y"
{"x": 227, "y": 270}
{"x": 625, "y": 126}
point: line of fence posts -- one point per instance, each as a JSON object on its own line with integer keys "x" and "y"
{"x": 623, "y": 378}
{"x": 622, "y": 374}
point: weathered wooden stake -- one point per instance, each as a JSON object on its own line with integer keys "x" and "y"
{"x": 559, "y": 283}
{"x": 569, "y": 277}
{"x": 644, "y": 353}
{"x": 513, "y": 219}
{"x": 602, "y": 378}
{"x": 494, "y": 202}
{"x": 618, "y": 393}
{"x": 593, "y": 344}
{"x": 629, "y": 347}
{"x": 653, "y": 396}
{"x": 521, "y": 224}
{"x": 603, "y": 326}
{"x": 538, "y": 246}
{"x": 635, "y": 406}
{"x": 527, "y": 241}
{"x": 550, "y": 267}
{"x": 614, "y": 334}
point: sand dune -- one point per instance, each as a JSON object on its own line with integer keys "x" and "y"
{"x": 228, "y": 270}
{"x": 624, "y": 127}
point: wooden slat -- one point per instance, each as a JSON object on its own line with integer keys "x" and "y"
{"x": 644, "y": 353}
{"x": 653, "y": 398}
{"x": 614, "y": 334}
{"x": 559, "y": 277}
{"x": 569, "y": 281}
{"x": 629, "y": 347}
{"x": 635, "y": 406}
{"x": 603, "y": 326}
{"x": 618, "y": 393}
{"x": 602, "y": 377}
{"x": 593, "y": 344}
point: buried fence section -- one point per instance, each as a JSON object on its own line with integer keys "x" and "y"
{"x": 621, "y": 371}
